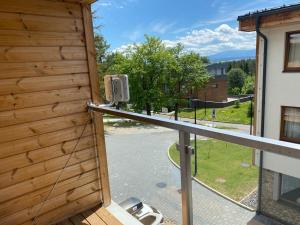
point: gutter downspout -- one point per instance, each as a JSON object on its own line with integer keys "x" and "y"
{"x": 262, "y": 129}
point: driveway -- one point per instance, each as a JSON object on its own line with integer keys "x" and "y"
{"x": 139, "y": 167}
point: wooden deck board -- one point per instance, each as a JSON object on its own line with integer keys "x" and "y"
{"x": 96, "y": 216}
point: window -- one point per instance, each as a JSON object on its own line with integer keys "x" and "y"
{"x": 290, "y": 189}
{"x": 292, "y": 52}
{"x": 290, "y": 124}
{"x": 290, "y": 131}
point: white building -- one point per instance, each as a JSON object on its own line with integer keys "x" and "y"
{"x": 277, "y": 111}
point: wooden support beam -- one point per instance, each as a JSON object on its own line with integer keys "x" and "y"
{"x": 98, "y": 120}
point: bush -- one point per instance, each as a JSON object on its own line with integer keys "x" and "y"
{"x": 248, "y": 87}
{"x": 236, "y": 80}
{"x": 237, "y": 104}
{"x": 235, "y": 91}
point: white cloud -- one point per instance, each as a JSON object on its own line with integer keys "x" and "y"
{"x": 161, "y": 27}
{"x": 105, "y": 4}
{"x": 213, "y": 41}
{"x": 119, "y": 4}
{"x": 122, "y": 48}
{"x": 134, "y": 35}
{"x": 229, "y": 11}
{"x": 209, "y": 41}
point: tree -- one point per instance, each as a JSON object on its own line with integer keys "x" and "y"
{"x": 146, "y": 66}
{"x": 188, "y": 73}
{"x": 205, "y": 59}
{"x": 158, "y": 76}
{"x": 247, "y": 65}
{"x": 101, "y": 52}
{"x": 248, "y": 87}
{"x": 101, "y": 46}
{"x": 236, "y": 79}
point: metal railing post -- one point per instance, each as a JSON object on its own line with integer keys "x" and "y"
{"x": 186, "y": 178}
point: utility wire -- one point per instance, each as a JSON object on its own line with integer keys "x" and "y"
{"x": 35, "y": 219}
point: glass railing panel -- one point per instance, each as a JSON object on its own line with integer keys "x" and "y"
{"x": 139, "y": 167}
{"x": 224, "y": 182}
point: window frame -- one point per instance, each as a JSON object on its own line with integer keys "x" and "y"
{"x": 287, "y": 52}
{"x": 281, "y": 198}
{"x": 282, "y": 123}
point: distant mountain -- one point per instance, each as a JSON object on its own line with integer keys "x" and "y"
{"x": 232, "y": 55}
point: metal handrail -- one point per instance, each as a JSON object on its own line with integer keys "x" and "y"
{"x": 185, "y": 129}
{"x": 266, "y": 144}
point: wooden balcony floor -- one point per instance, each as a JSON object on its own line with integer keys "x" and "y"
{"x": 95, "y": 216}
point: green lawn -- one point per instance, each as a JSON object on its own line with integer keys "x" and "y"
{"x": 219, "y": 166}
{"x": 228, "y": 114}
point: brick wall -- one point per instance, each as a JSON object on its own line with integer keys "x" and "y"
{"x": 215, "y": 90}
{"x": 277, "y": 209}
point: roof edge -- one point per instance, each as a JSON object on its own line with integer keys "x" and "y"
{"x": 271, "y": 11}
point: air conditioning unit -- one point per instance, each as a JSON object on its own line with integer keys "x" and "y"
{"x": 116, "y": 88}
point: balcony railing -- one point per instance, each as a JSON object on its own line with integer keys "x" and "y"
{"x": 185, "y": 129}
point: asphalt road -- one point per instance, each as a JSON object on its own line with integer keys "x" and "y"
{"x": 139, "y": 167}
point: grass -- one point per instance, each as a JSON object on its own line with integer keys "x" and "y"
{"x": 219, "y": 166}
{"x": 228, "y": 114}
{"x": 225, "y": 127}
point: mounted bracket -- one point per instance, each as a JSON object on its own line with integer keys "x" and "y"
{"x": 187, "y": 149}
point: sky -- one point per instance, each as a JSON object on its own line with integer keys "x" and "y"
{"x": 208, "y": 27}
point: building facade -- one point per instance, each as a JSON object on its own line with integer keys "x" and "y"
{"x": 277, "y": 111}
{"x": 214, "y": 91}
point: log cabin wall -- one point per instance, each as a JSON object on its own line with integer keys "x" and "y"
{"x": 47, "y": 74}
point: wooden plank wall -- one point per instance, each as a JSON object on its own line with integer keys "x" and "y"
{"x": 44, "y": 87}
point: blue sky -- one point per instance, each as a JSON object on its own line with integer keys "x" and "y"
{"x": 208, "y": 27}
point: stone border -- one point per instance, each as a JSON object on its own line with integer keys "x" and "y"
{"x": 254, "y": 190}
{"x": 210, "y": 188}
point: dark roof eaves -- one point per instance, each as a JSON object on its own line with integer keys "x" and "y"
{"x": 272, "y": 11}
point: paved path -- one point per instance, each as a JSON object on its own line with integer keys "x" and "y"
{"x": 237, "y": 127}
{"x": 139, "y": 167}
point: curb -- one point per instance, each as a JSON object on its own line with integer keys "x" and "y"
{"x": 212, "y": 189}
{"x": 254, "y": 190}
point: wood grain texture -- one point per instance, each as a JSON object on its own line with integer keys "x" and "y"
{"x": 107, "y": 217}
{"x": 98, "y": 120}
{"x": 52, "y": 204}
{"x": 95, "y": 216}
{"x": 92, "y": 218}
{"x": 38, "y": 196}
{"x": 36, "y": 156}
{"x": 270, "y": 21}
{"x": 18, "y": 175}
{"x": 36, "y": 183}
{"x": 36, "y": 38}
{"x": 25, "y": 22}
{"x": 44, "y": 87}
{"x": 41, "y": 54}
{"x": 20, "y": 131}
{"x": 79, "y": 219}
{"x": 33, "y": 84}
{"x": 39, "y": 69}
{"x": 44, "y": 140}
{"x": 68, "y": 210}
{"x": 19, "y": 101}
{"x": 18, "y": 116}
{"x": 42, "y": 7}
